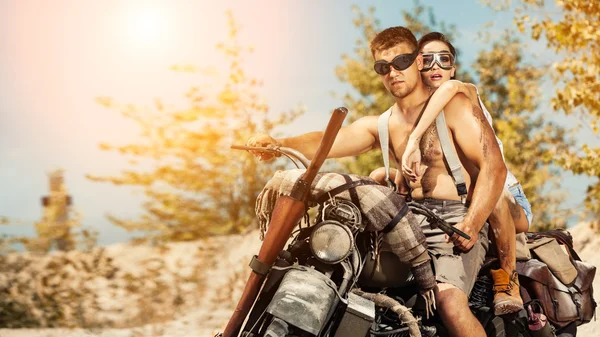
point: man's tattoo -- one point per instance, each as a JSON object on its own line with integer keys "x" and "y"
{"x": 483, "y": 124}
{"x": 428, "y": 148}
{"x": 429, "y": 145}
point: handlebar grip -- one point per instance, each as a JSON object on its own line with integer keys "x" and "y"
{"x": 333, "y": 127}
{"x": 242, "y": 147}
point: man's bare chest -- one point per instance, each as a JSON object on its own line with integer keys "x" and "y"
{"x": 429, "y": 145}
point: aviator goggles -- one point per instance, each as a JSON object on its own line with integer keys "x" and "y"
{"x": 399, "y": 63}
{"x": 444, "y": 60}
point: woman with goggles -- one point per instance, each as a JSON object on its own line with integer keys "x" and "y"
{"x": 438, "y": 73}
{"x": 444, "y": 60}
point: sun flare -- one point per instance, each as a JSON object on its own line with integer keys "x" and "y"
{"x": 146, "y": 25}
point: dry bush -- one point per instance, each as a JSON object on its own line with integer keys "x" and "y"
{"x": 93, "y": 290}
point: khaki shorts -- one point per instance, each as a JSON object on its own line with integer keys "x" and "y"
{"x": 450, "y": 264}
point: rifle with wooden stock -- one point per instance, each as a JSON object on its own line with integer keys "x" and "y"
{"x": 288, "y": 212}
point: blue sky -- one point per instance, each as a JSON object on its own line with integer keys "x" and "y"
{"x": 56, "y": 57}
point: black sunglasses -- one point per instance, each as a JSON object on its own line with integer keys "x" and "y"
{"x": 399, "y": 63}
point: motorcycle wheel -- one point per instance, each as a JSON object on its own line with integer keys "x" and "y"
{"x": 568, "y": 331}
{"x": 495, "y": 327}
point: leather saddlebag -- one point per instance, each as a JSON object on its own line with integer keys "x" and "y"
{"x": 562, "y": 303}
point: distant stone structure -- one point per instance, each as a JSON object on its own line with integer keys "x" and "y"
{"x": 55, "y": 226}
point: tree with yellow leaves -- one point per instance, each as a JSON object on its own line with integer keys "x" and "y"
{"x": 574, "y": 36}
{"x": 198, "y": 186}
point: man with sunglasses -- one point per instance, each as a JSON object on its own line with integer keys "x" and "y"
{"x": 398, "y": 62}
{"x": 512, "y": 213}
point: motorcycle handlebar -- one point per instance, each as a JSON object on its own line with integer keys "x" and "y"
{"x": 288, "y": 152}
{"x": 294, "y": 155}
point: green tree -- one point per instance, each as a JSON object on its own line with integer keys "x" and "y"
{"x": 510, "y": 93}
{"x": 573, "y": 35}
{"x": 197, "y": 186}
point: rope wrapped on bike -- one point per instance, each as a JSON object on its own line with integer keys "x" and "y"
{"x": 382, "y": 300}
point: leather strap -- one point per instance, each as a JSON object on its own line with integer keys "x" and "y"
{"x": 258, "y": 266}
{"x": 384, "y": 141}
{"x": 451, "y": 157}
{"x": 321, "y": 198}
{"x": 560, "y": 237}
{"x": 392, "y": 224}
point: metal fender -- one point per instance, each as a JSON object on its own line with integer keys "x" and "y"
{"x": 303, "y": 299}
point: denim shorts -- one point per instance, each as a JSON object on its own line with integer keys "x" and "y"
{"x": 521, "y": 199}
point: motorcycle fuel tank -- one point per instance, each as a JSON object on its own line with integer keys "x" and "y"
{"x": 303, "y": 299}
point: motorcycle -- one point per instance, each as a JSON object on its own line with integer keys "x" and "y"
{"x": 333, "y": 280}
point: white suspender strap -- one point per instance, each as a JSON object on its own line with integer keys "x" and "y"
{"x": 451, "y": 157}
{"x": 384, "y": 141}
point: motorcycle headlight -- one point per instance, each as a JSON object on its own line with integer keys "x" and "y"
{"x": 331, "y": 242}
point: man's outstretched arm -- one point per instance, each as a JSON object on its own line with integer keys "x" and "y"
{"x": 475, "y": 139}
{"x": 352, "y": 140}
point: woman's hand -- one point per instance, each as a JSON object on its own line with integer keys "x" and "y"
{"x": 411, "y": 160}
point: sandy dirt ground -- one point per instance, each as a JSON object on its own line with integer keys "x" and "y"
{"x": 230, "y": 275}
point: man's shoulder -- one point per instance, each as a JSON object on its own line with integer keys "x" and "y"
{"x": 459, "y": 108}
{"x": 458, "y": 105}
{"x": 366, "y": 124}
{"x": 367, "y": 121}
{"x": 473, "y": 91}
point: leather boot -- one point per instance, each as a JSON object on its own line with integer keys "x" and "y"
{"x": 507, "y": 297}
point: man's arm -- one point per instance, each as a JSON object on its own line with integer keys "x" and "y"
{"x": 475, "y": 138}
{"x": 354, "y": 139}
{"x": 411, "y": 159}
{"x": 437, "y": 102}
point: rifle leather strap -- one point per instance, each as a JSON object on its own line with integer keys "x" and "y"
{"x": 392, "y": 224}
{"x": 320, "y": 199}
{"x": 258, "y": 266}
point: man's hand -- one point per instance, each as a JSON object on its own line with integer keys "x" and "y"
{"x": 262, "y": 140}
{"x": 462, "y": 243}
{"x": 411, "y": 160}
